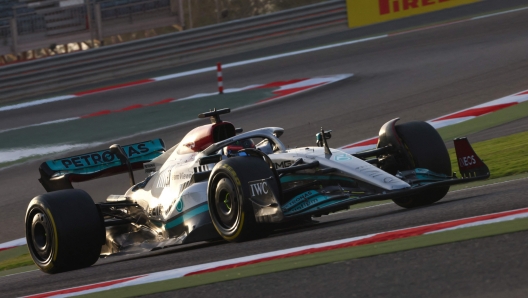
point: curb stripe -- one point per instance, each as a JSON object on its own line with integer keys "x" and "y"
{"x": 118, "y": 86}
{"x": 476, "y": 112}
{"x": 297, "y": 251}
{"x": 13, "y": 244}
{"x": 453, "y": 118}
{"x": 85, "y": 288}
{"x": 287, "y": 92}
{"x": 368, "y": 142}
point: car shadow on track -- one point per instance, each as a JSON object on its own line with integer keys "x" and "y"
{"x": 315, "y": 225}
{"x": 448, "y": 202}
{"x": 354, "y": 217}
{"x": 159, "y": 252}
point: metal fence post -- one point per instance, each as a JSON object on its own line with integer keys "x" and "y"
{"x": 14, "y": 36}
{"x": 190, "y": 14}
{"x": 99, "y": 22}
{"x": 217, "y": 12}
{"x": 89, "y": 19}
{"x": 181, "y": 13}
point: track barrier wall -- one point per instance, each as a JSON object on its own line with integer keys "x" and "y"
{"x": 58, "y": 72}
{"x": 366, "y": 12}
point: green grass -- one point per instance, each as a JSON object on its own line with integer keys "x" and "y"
{"x": 17, "y": 257}
{"x": 19, "y": 261}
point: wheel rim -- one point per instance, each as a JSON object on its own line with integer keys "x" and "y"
{"x": 226, "y": 205}
{"x": 227, "y": 202}
{"x": 40, "y": 237}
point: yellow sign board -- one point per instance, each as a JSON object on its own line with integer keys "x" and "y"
{"x": 365, "y": 12}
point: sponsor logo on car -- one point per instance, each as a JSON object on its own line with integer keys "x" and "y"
{"x": 182, "y": 176}
{"x": 102, "y": 157}
{"x": 259, "y": 188}
{"x": 306, "y": 204}
{"x": 283, "y": 164}
{"x": 149, "y": 167}
{"x": 179, "y": 205}
{"x": 376, "y": 173}
{"x": 299, "y": 198}
{"x": 342, "y": 157}
{"x": 467, "y": 161}
{"x": 163, "y": 179}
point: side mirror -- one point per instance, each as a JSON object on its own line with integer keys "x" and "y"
{"x": 327, "y": 134}
{"x": 320, "y": 139}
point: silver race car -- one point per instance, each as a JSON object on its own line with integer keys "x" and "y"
{"x": 219, "y": 182}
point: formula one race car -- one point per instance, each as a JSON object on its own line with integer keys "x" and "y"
{"x": 221, "y": 183}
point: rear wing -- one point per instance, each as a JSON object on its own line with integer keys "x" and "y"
{"x": 60, "y": 173}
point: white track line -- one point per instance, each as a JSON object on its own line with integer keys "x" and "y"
{"x": 498, "y": 13}
{"x": 40, "y": 124}
{"x": 36, "y": 102}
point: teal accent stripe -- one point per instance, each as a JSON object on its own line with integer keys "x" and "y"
{"x": 187, "y": 215}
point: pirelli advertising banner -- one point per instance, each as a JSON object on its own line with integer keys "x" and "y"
{"x": 365, "y": 12}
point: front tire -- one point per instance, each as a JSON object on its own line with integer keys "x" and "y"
{"x": 64, "y": 230}
{"x": 427, "y": 150}
{"x": 231, "y": 210}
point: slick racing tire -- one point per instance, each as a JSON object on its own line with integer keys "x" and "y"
{"x": 230, "y": 208}
{"x": 427, "y": 150}
{"x": 64, "y": 230}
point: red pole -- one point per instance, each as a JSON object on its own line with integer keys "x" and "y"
{"x": 220, "y": 80}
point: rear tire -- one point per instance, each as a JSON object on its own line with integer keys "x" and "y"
{"x": 64, "y": 230}
{"x": 231, "y": 210}
{"x": 427, "y": 150}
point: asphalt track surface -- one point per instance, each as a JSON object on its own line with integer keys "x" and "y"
{"x": 415, "y": 76}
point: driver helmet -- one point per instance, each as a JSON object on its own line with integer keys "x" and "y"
{"x": 239, "y": 145}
